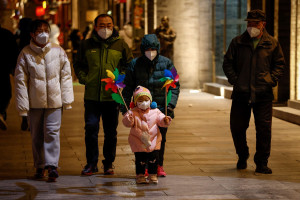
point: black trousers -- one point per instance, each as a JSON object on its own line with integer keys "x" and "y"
{"x": 239, "y": 122}
{"x": 143, "y": 159}
{"x": 6, "y": 93}
{"x": 109, "y": 111}
{"x": 163, "y": 132}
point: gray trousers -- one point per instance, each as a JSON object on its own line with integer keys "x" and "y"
{"x": 45, "y": 127}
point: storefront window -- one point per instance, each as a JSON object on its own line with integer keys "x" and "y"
{"x": 229, "y": 23}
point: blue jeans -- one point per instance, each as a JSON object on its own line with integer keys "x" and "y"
{"x": 109, "y": 111}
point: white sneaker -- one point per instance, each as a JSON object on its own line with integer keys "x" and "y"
{"x": 3, "y": 124}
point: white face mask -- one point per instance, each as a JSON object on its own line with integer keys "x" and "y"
{"x": 104, "y": 33}
{"x": 151, "y": 54}
{"x": 253, "y": 31}
{"x": 42, "y": 38}
{"x": 144, "y": 105}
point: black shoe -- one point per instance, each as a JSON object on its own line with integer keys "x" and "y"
{"x": 241, "y": 164}
{"x": 108, "y": 169}
{"x": 89, "y": 170}
{"x": 264, "y": 169}
{"x": 39, "y": 174}
{"x": 52, "y": 173}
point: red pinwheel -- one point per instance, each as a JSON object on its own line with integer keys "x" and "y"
{"x": 115, "y": 82}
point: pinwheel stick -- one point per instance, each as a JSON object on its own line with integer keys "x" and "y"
{"x": 166, "y": 100}
{"x": 122, "y": 98}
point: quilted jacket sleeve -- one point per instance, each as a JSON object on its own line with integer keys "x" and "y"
{"x": 160, "y": 119}
{"x": 129, "y": 81}
{"x": 21, "y": 86}
{"x": 66, "y": 83}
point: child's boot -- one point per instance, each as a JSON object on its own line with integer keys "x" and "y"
{"x": 153, "y": 178}
{"x": 161, "y": 172}
{"x": 141, "y": 179}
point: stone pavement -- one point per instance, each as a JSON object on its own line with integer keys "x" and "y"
{"x": 200, "y": 159}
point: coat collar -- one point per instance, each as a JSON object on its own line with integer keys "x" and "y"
{"x": 39, "y": 50}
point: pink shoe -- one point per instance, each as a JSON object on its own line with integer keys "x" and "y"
{"x": 161, "y": 172}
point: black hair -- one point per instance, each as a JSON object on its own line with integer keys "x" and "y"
{"x": 38, "y": 23}
{"x": 102, "y": 16}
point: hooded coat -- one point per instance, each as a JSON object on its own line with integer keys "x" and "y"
{"x": 147, "y": 73}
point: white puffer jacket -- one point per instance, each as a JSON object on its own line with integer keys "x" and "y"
{"x": 43, "y": 78}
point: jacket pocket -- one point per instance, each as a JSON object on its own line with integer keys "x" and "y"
{"x": 113, "y": 57}
{"x": 92, "y": 55}
{"x": 267, "y": 78}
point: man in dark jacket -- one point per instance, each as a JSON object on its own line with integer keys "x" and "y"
{"x": 147, "y": 71}
{"x": 103, "y": 51}
{"x": 253, "y": 64}
{"x": 8, "y": 57}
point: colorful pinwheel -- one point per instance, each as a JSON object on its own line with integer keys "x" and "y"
{"x": 115, "y": 82}
{"x": 171, "y": 77}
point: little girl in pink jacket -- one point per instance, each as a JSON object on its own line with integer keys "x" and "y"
{"x": 144, "y": 137}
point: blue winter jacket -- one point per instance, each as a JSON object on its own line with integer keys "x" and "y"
{"x": 146, "y": 73}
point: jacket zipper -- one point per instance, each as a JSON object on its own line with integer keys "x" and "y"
{"x": 47, "y": 100}
{"x": 100, "y": 73}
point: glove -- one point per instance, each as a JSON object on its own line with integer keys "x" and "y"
{"x": 170, "y": 112}
{"x": 145, "y": 137}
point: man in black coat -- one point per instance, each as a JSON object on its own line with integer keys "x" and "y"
{"x": 253, "y": 64}
{"x": 8, "y": 57}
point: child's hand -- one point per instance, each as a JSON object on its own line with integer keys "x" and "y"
{"x": 166, "y": 120}
{"x": 130, "y": 117}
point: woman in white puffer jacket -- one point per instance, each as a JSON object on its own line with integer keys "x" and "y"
{"x": 43, "y": 85}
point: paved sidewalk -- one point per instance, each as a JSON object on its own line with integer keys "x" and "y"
{"x": 200, "y": 159}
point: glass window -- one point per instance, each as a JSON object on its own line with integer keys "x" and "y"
{"x": 229, "y": 23}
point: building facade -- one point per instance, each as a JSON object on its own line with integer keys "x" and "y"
{"x": 204, "y": 30}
